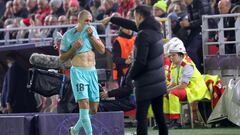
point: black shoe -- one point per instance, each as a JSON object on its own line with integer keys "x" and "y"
{"x": 174, "y": 125}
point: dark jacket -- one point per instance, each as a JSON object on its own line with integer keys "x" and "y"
{"x": 20, "y": 99}
{"x": 229, "y": 22}
{"x": 4, "y": 92}
{"x": 147, "y": 70}
{"x": 59, "y": 12}
{"x": 23, "y": 13}
{"x": 235, "y": 2}
{"x": 196, "y": 10}
{"x": 124, "y": 101}
{"x": 33, "y": 10}
{"x": 123, "y": 91}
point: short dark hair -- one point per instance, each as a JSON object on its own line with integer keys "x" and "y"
{"x": 11, "y": 55}
{"x": 144, "y": 10}
{"x": 180, "y": 54}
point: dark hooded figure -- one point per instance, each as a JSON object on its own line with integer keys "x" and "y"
{"x": 147, "y": 69}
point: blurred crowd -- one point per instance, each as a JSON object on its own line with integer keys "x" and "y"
{"x": 29, "y": 13}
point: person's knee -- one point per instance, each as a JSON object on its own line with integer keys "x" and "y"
{"x": 94, "y": 107}
{"x": 84, "y": 103}
{"x": 93, "y": 111}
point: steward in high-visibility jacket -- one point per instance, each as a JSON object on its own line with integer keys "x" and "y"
{"x": 122, "y": 51}
{"x": 187, "y": 83}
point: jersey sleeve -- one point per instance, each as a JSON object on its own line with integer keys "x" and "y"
{"x": 65, "y": 45}
{"x": 95, "y": 34}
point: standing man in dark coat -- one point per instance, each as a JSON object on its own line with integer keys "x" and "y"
{"x": 196, "y": 9}
{"x": 147, "y": 69}
{"x": 19, "y": 99}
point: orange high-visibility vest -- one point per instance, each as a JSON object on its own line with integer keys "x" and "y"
{"x": 126, "y": 48}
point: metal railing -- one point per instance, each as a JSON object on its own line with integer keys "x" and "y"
{"x": 166, "y": 27}
{"x": 220, "y": 33}
{"x": 42, "y": 40}
{"x": 222, "y": 63}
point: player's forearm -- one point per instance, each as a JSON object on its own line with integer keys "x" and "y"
{"x": 98, "y": 44}
{"x": 67, "y": 55}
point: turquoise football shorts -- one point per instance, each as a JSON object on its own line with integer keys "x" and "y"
{"x": 84, "y": 83}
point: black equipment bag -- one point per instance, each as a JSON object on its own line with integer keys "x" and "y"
{"x": 47, "y": 83}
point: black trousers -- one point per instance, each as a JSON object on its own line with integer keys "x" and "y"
{"x": 116, "y": 105}
{"x": 141, "y": 115}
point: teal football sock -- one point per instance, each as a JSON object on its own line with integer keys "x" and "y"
{"x": 86, "y": 122}
{"x": 78, "y": 125}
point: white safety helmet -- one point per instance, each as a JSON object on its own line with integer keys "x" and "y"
{"x": 176, "y": 45}
{"x": 166, "y": 48}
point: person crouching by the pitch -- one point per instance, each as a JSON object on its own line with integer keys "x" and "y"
{"x": 124, "y": 100}
{"x": 187, "y": 83}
